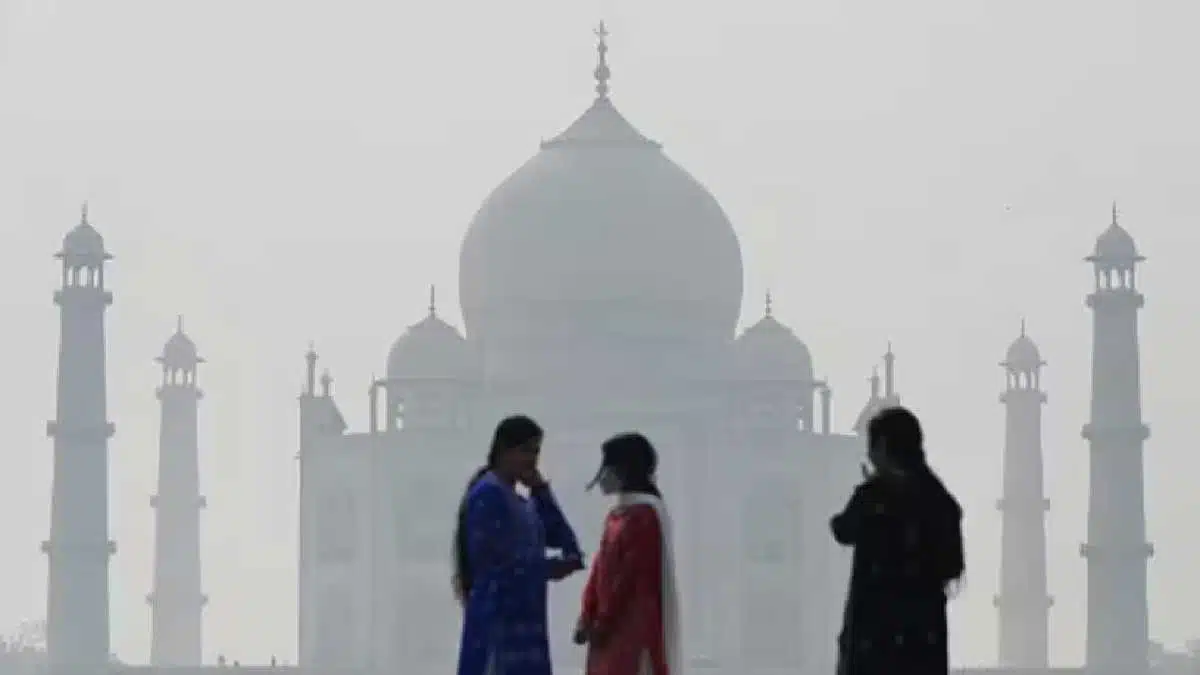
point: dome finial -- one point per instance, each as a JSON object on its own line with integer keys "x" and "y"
{"x": 83, "y": 216}
{"x": 769, "y": 302}
{"x": 179, "y": 324}
{"x": 1022, "y": 326}
{"x": 432, "y": 300}
{"x": 602, "y": 72}
{"x": 1114, "y": 213}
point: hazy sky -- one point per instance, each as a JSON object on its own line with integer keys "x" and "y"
{"x": 286, "y": 170}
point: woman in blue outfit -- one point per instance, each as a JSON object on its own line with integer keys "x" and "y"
{"x": 502, "y": 564}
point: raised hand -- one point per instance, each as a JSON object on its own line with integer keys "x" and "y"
{"x": 532, "y": 478}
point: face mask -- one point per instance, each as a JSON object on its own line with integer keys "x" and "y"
{"x": 608, "y": 482}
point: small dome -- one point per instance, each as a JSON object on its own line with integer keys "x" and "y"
{"x": 180, "y": 351}
{"x": 431, "y": 349}
{"x": 1115, "y": 243}
{"x": 1023, "y": 354}
{"x": 84, "y": 241}
{"x": 769, "y": 350}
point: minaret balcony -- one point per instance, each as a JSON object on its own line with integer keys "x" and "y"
{"x": 189, "y": 391}
{"x": 1010, "y": 505}
{"x": 1015, "y": 395}
{"x": 201, "y": 502}
{"x": 1092, "y": 552}
{"x": 83, "y": 296}
{"x": 83, "y": 432}
{"x": 1116, "y": 299}
{"x": 52, "y": 547}
{"x": 1116, "y": 434}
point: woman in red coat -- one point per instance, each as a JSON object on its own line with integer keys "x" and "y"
{"x": 630, "y": 617}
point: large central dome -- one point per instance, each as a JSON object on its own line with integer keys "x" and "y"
{"x": 600, "y": 229}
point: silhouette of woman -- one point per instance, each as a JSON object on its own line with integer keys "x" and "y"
{"x": 906, "y": 530}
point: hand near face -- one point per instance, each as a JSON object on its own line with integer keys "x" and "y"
{"x": 532, "y": 477}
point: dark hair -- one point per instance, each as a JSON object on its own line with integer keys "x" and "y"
{"x": 904, "y": 443}
{"x": 513, "y": 431}
{"x": 633, "y": 458}
{"x": 901, "y": 433}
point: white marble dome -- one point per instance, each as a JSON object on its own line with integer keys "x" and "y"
{"x": 600, "y": 228}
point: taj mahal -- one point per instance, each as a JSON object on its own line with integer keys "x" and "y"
{"x": 600, "y": 287}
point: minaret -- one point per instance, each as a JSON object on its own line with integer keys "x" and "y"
{"x": 177, "y": 601}
{"x": 1116, "y": 549}
{"x": 77, "y": 629}
{"x": 879, "y": 400}
{"x": 1023, "y": 602}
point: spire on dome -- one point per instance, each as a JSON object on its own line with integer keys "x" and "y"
{"x": 432, "y": 300}
{"x": 889, "y": 372}
{"x": 310, "y": 371}
{"x": 601, "y": 125}
{"x": 1023, "y": 354}
{"x": 179, "y": 353}
{"x": 83, "y": 246}
{"x": 602, "y": 72}
{"x": 768, "y": 306}
{"x": 1115, "y": 245}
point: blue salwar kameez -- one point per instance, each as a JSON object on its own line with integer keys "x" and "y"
{"x": 504, "y": 613}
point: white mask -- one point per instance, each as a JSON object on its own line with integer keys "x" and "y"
{"x": 608, "y": 482}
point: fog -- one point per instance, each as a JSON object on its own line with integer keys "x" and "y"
{"x": 927, "y": 173}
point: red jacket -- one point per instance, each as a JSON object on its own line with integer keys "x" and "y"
{"x": 623, "y": 599}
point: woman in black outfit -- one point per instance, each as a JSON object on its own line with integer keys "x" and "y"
{"x": 906, "y": 530}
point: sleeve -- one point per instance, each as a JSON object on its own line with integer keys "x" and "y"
{"x": 587, "y": 613}
{"x": 559, "y": 534}
{"x": 633, "y": 562}
{"x": 847, "y": 524}
{"x": 489, "y": 530}
{"x": 953, "y": 559}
